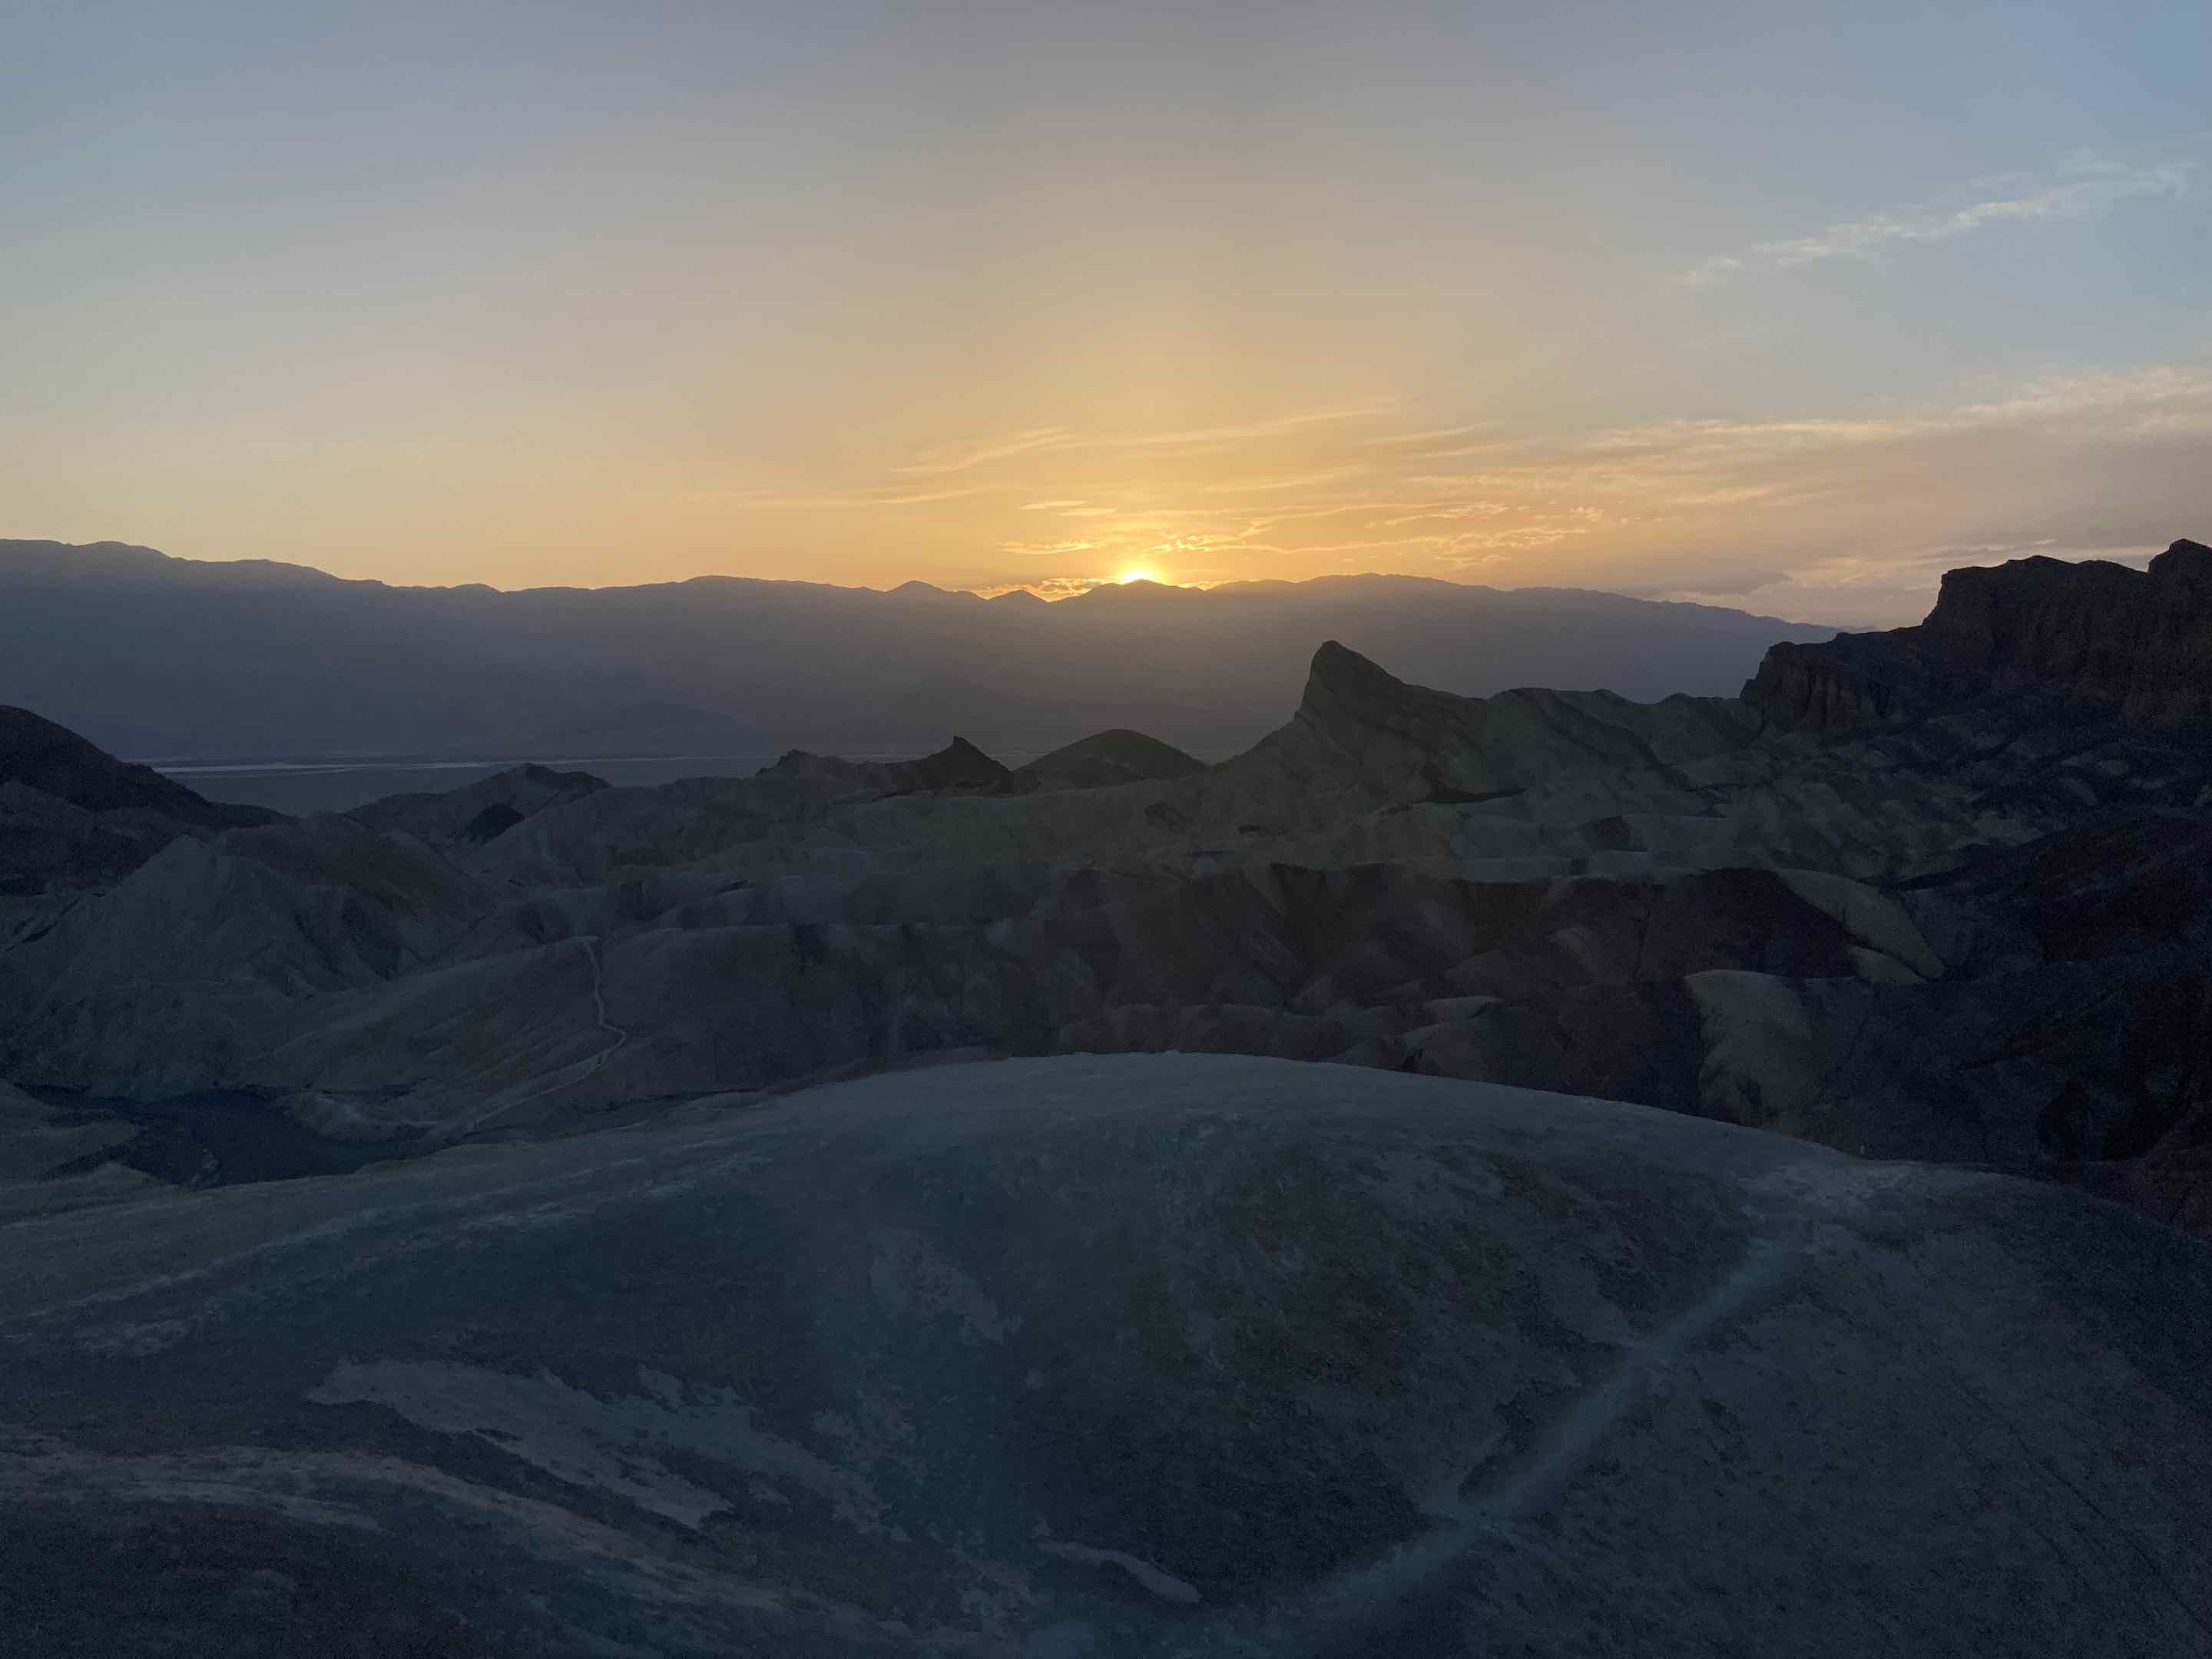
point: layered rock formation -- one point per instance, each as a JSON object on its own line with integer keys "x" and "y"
{"x": 2138, "y": 641}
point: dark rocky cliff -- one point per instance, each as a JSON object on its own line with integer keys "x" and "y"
{"x": 2140, "y": 642}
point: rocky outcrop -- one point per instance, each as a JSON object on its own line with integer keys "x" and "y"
{"x": 2137, "y": 642}
{"x": 1364, "y": 742}
{"x": 481, "y": 811}
{"x": 1105, "y": 760}
{"x": 959, "y": 766}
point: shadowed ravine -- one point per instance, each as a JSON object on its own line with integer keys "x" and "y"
{"x": 217, "y": 1139}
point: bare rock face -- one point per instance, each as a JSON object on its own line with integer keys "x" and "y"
{"x": 2138, "y": 641}
{"x": 1362, "y": 740}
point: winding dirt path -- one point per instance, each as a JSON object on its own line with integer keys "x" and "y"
{"x": 581, "y": 1068}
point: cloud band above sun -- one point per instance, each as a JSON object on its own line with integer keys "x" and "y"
{"x": 1847, "y": 519}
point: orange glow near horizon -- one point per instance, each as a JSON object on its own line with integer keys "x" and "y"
{"x": 1068, "y": 297}
{"x": 1679, "y": 510}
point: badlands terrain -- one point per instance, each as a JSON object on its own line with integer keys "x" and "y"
{"x": 1752, "y": 1199}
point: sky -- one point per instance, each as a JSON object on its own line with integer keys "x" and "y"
{"x": 1781, "y": 306}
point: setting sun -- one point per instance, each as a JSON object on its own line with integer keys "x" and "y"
{"x": 1136, "y": 572}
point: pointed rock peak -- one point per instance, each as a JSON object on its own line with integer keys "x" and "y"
{"x": 1340, "y": 672}
{"x": 959, "y": 762}
{"x": 964, "y": 750}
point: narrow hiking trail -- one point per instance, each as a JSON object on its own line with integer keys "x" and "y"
{"x": 589, "y": 1066}
{"x": 1363, "y": 1604}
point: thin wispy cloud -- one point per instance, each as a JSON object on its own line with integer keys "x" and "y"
{"x": 2086, "y": 189}
{"x": 954, "y": 458}
{"x": 1253, "y": 429}
{"x": 912, "y": 497}
{"x": 962, "y": 458}
{"x": 1846, "y": 516}
{"x": 1344, "y": 487}
{"x": 1434, "y": 434}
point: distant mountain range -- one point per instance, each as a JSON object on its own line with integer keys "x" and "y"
{"x": 157, "y": 657}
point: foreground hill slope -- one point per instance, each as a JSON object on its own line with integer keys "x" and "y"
{"x": 1136, "y": 1356}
